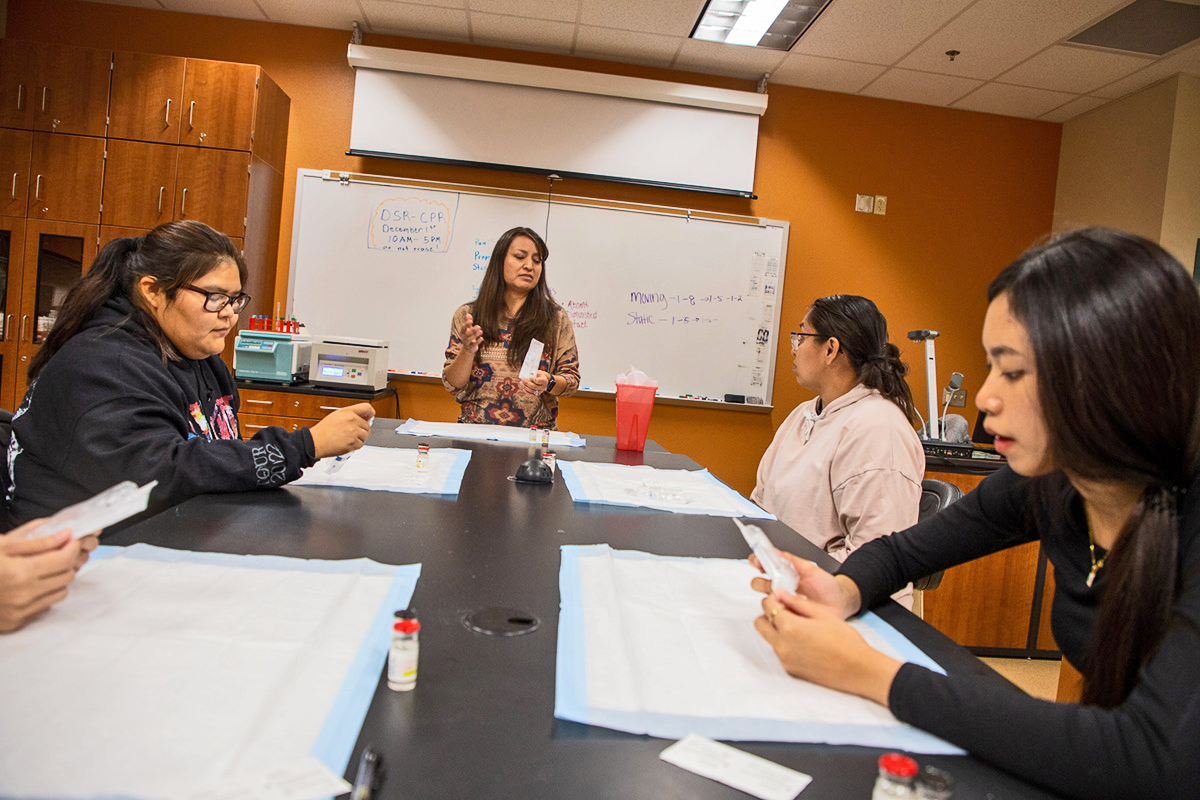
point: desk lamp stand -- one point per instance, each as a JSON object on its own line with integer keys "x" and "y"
{"x": 930, "y": 430}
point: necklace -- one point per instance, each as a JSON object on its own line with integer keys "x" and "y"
{"x": 1097, "y": 565}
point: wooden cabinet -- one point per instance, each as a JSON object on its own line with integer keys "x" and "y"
{"x": 998, "y": 604}
{"x": 68, "y": 174}
{"x": 53, "y": 255}
{"x": 291, "y": 411}
{"x": 139, "y": 184}
{"x": 15, "y": 149}
{"x": 147, "y": 94}
{"x": 18, "y": 76}
{"x": 212, "y": 186}
{"x": 72, "y": 90}
{"x": 218, "y": 104}
{"x": 12, "y": 256}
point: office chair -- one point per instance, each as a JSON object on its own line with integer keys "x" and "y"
{"x": 935, "y": 495}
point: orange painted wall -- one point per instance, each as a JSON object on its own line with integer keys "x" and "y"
{"x": 966, "y": 192}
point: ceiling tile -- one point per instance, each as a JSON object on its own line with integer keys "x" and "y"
{"x": 919, "y": 87}
{"x": 561, "y": 10}
{"x": 636, "y": 48}
{"x": 829, "y": 74}
{"x": 993, "y": 36}
{"x": 1186, "y": 60}
{"x": 1068, "y": 111}
{"x": 326, "y": 14}
{"x": 874, "y": 32}
{"x": 528, "y": 34}
{"x": 1012, "y": 101}
{"x": 669, "y": 17}
{"x": 1066, "y": 68}
{"x": 239, "y": 9}
{"x": 730, "y": 60}
{"x": 408, "y": 19}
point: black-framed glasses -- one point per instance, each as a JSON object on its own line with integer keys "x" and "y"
{"x": 216, "y": 301}
{"x": 798, "y": 337}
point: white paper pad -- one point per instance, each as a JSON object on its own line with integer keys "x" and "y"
{"x": 533, "y": 357}
{"x": 392, "y": 469}
{"x": 743, "y": 771}
{"x": 165, "y": 672}
{"x": 667, "y": 647}
{"x": 679, "y": 490}
{"x": 485, "y": 433}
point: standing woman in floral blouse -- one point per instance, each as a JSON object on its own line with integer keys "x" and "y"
{"x": 490, "y": 337}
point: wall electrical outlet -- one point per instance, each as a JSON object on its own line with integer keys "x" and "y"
{"x": 864, "y": 203}
{"x": 957, "y": 398}
{"x": 880, "y": 204}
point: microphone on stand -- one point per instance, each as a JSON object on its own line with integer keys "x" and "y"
{"x": 956, "y": 380}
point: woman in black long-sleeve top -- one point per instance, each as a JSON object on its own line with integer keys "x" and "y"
{"x": 1093, "y": 394}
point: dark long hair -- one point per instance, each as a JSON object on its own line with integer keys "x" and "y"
{"x": 1114, "y": 320}
{"x": 536, "y": 317}
{"x": 862, "y": 333}
{"x": 175, "y": 254}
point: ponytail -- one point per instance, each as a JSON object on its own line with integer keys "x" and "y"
{"x": 103, "y": 280}
{"x": 862, "y": 333}
{"x": 174, "y": 254}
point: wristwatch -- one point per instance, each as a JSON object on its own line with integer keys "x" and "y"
{"x": 550, "y": 384}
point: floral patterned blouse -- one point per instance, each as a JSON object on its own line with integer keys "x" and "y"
{"x": 493, "y": 395}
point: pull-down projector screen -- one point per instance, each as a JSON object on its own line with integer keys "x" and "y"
{"x": 578, "y": 133}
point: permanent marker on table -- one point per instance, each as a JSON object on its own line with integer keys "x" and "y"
{"x": 367, "y": 779}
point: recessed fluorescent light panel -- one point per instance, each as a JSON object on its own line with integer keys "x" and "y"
{"x": 773, "y": 24}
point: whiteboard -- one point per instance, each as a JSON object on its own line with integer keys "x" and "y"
{"x": 692, "y": 301}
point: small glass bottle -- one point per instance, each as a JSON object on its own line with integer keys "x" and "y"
{"x": 422, "y": 457}
{"x": 545, "y": 438}
{"x": 533, "y": 434}
{"x": 934, "y": 784}
{"x": 402, "y": 657}
{"x": 549, "y": 457}
{"x": 896, "y": 773}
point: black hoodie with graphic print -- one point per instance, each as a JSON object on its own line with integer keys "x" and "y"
{"x": 106, "y": 409}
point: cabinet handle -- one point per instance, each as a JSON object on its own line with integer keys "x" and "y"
{"x": 161, "y": 189}
{"x": 24, "y": 319}
{"x": 7, "y": 327}
{"x": 331, "y": 408}
{"x": 45, "y": 92}
{"x": 167, "y": 120}
{"x": 37, "y": 189}
{"x": 262, "y": 402}
{"x": 20, "y": 97}
{"x": 191, "y": 111}
{"x": 183, "y": 205}
{"x": 14, "y": 191}
{"x": 256, "y": 427}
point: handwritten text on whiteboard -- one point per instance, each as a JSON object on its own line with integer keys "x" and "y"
{"x": 412, "y": 225}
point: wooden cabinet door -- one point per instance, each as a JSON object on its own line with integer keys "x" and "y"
{"x": 15, "y": 149}
{"x": 139, "y": 184}
{"x": 67, "y": 174}
{"x": 57, "y": 254}
{"x": 18, "y": 76}
{"x": 146, "y": 95}
{"x": 72, "y": 90}
{"x": 212, "y": 186}
{"x": 218, "y": 104}
{"x": 12, "y": 255}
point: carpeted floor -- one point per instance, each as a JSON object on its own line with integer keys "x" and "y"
{"x": 1037, "y": 676}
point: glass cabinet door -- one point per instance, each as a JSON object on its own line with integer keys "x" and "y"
{"x": 12, "y": 253}
{"x": 59, "y": 266}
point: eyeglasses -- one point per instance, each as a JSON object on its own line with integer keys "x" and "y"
{"x": 216, "y": 301}
{"x": 798, "y": 337}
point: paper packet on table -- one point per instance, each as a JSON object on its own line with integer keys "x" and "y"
{"x": 96, "y": 513}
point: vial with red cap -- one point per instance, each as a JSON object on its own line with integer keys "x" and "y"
{"x": 896, "y": 774}
{"x": 402, "y": 656}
